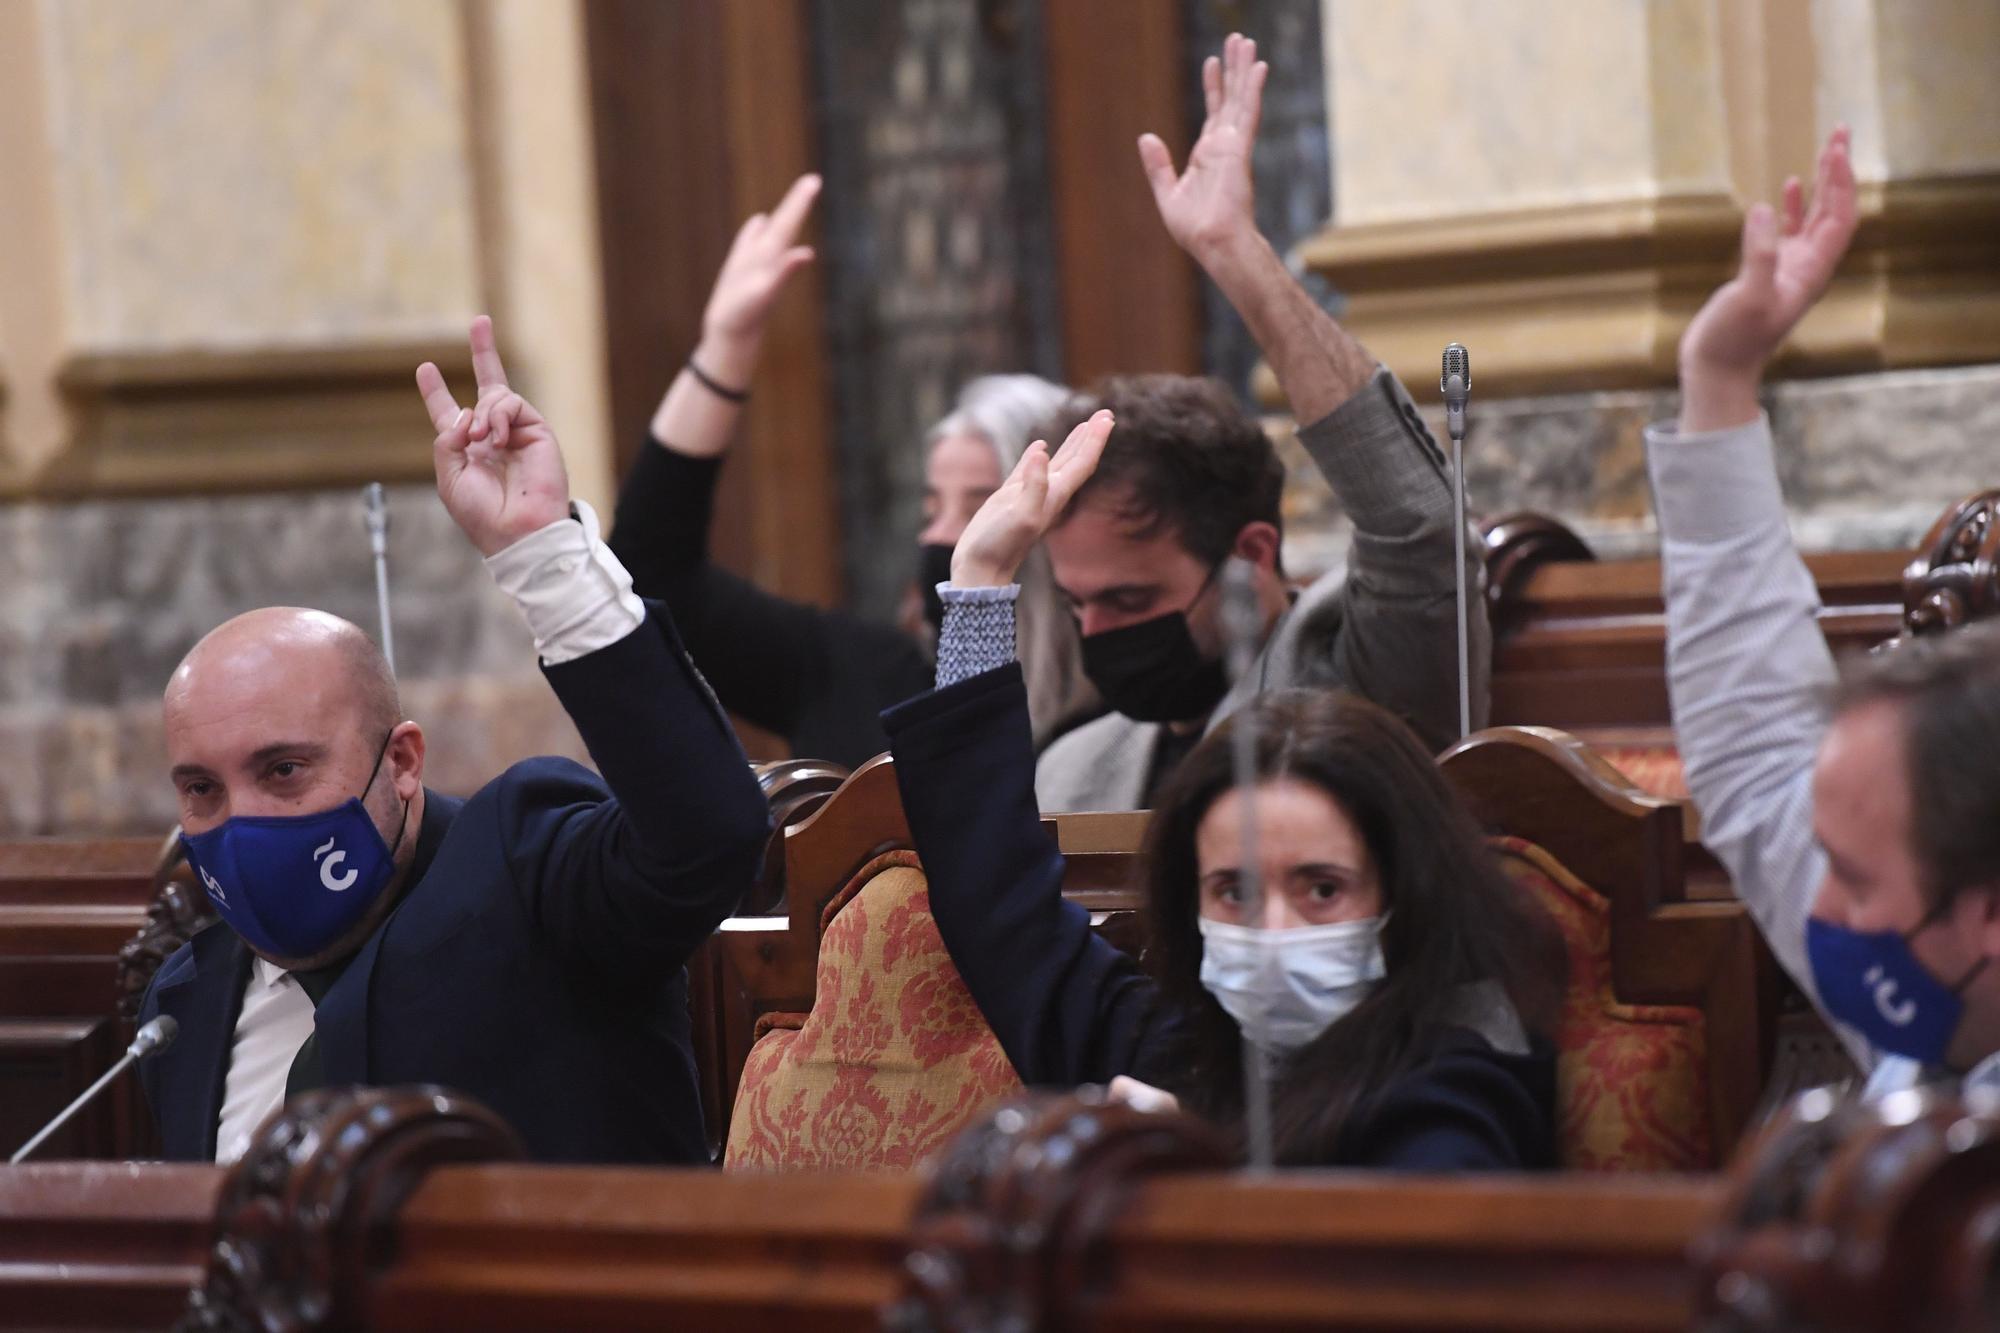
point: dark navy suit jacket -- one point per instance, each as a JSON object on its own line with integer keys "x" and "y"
{"x": 535, "y": 960}
{"x": 1070, "y": 1008}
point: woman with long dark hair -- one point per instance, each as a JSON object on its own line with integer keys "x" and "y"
{"x": 819, "y": 678}
{"x": 1407, "y": 1011}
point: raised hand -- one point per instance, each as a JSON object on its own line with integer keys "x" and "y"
{"x": 1211, "y": 202}
{"x": 1787, "y": 262}
{"x": 1027, "y": 505}
{"x": 763, "y": 256}
{"x": 499, "y": 469}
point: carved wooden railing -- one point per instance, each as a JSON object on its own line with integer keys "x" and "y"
{"x": 1955, "y": 574}
{"x": 399, "y": 1210}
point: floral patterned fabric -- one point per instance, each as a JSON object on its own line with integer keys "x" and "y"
{"x": 1653, "y": 769}
{"x": 894, "y": 1058}
{"x": 1632, "y": 1079}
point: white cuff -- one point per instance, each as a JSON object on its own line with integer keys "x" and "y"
{"x": 953, "y": 595}
{"x": 572, "y": 591}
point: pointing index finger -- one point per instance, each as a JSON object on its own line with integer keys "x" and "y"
{"x": 486, "y": 367}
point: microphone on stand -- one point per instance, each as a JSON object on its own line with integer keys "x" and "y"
{"x": 154, "y": 1036}
{"x": 1243, "y": 627}
{"x": 1455, "y": 382}
{"x": 376, "y": 518}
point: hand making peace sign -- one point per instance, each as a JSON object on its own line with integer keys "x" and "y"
{"x": 499, "y": 469}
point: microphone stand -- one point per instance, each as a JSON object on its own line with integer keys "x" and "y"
{"x": 1240, "y": 623}
{"x": 1455, "y": 382}
{"x": 376, "y": 518}
{"x": 150, "y": 1038}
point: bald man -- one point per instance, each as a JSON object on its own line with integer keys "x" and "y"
{"x": 524, "y": 945}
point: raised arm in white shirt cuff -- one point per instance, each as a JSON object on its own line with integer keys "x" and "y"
{"x": 1715, "y": 484}
{"x": 571, "y": 589}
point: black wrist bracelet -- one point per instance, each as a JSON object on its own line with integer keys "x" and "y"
{"x": 738, "y": 396}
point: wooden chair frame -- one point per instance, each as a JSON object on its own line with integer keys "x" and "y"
{"x": 1666, "y": 948}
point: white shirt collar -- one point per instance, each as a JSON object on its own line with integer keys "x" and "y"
{"x": 267, "y": 973}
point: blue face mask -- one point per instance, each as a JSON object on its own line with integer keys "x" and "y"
{"x": 292, "y": 885}
{"x": 1872, "y": 982}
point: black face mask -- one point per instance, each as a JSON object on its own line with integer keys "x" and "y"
{"x": 933, "y": 568}
{"x": 1153, "y": 672}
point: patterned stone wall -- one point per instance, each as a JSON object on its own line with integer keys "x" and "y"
{"x": 1292, "y": 162}
{"x": 1868, "y": 462}
{"x": 937, "y": 238}
{"x": 100, "y": 599}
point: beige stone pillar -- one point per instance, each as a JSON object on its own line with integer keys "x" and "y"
{"x": 1558, "y": 186}
{"x": 231, "y": 229}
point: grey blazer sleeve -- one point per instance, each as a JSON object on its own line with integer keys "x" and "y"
{"x": 1748, "y": 672}
{"x": 1398, "y": 642}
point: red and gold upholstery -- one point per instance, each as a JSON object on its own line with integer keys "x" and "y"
{"x": 1653, "y": 769}
{"x": 1632, "y": 1079}
{"x": 894, "y": 1058}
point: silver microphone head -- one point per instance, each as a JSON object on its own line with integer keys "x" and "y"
{"x": 154, "y": 1036}
{"x": 1455, "y": 380}
{"x": 375, "y": 513}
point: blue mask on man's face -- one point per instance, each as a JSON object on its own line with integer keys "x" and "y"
{"x": 1871, "y": 981}
{"x": 292, "y": 885}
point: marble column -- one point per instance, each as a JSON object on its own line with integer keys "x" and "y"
{"x": 230, "y": 230}
{"x": 1559, "y": 187}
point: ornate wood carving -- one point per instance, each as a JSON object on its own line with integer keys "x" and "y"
{"x": 178, "y": 911}
{"x": 1851, "y": 1215}
{"x": 301, "y": 1219}
{"x": 795, "y": 788}
{"x": 1011, "y": 1227}
{"x": 1955, "y": 574}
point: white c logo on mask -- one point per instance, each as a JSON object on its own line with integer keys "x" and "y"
{"x": 334, "y": 883}
{"x": 1898, "y": 1014}
{"x": 214, "y": 888}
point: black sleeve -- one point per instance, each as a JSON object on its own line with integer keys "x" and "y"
{"x": 1470, "y": 1108}
{"x": 638, "y": 881}
{"x": 1067, "y": 1007}
{"x": 769, "y": 659}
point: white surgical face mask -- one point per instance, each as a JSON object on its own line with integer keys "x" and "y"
{"x": 1317, "y": 976}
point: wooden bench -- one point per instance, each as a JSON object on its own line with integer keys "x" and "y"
{"x": 73, "y": 921}
{"x": 396, "y": 1209}
{"x": 1580, "y": 643}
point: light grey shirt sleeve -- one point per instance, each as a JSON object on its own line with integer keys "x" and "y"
{"x": 1748, "y": 673}
{"x": 978, "y": 631}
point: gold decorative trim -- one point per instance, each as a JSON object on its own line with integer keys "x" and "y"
{"x": 196, "y": 422}
{"x": 1597, "y": 295}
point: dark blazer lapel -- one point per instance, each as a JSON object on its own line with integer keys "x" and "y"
{"x": 193, "y": 1070}
{"x": 342, "y": 1018}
